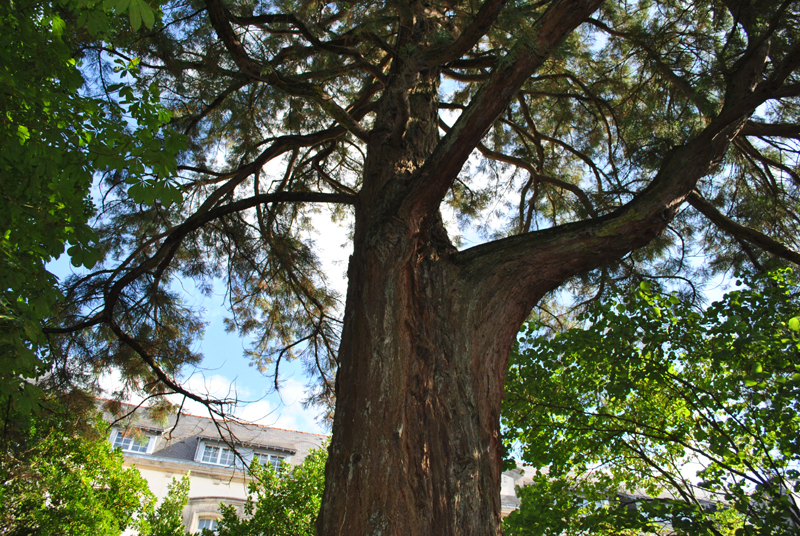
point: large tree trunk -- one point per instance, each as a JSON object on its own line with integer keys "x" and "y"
{"x": 416, "y": 446}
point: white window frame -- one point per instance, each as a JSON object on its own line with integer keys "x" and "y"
{"x": 215, "y": 459}
{"x": 130, "y": 443}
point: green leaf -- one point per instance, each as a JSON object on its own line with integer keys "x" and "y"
{"x": 73, "y": 466}
{"x": 148, "y": 16}
{"x": 58, "y": 25}
{"x": 76, "y": 256}
{"x": 174, "y": 195}
{"x": 719, "y": 365}
{"x": 120, "y": 6}
{"x": 23, "y": 134}
{"x": 135, "y": 13}
{"x": 31, "y": 332}
{"x": 794, "y": 323}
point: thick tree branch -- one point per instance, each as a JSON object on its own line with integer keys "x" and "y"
{"x": 171, "y": 244}
{"x": 540, "y": 261}
{"x": 278, "y": 147}
{"x": 741, "y": 232}
{"x": 792, "y": 90}
{"x": 443, "y": 166}
{"x": 486, "y": 61}
{"x": 200, "y": 219}
{"x": 461, "y": 77}
{"x": 358, "y": 109}
{"x": 778, "y": 130}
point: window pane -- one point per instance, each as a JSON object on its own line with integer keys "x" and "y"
{"x": 130, "y": 443}
{"x": 267, "y": 460}
{"x": 226, "y": 457}
{"x": 207, "y": 523}
{"x": 210, "y": 454}
{"x": 139, "y": 445}
{"x": 120, "y": 441}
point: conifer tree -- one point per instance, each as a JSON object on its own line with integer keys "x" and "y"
{"x": 593, "y": 142}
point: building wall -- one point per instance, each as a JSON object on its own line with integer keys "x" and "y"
{"x": 175, "y": 448}
{"x": 164, "y": 451}
{"x": 207, "y": 489}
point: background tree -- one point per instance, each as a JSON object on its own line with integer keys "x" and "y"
{"x": 167, "y": 518}
{"x": 55, "y": 134}
{"x": 648, "y": 392}
{"x": 60, "y": 476}
{"x": 611, "y": 140}
{"x": 280, "y": 503}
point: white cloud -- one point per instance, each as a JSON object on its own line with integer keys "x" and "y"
{"x": 281, "y": 410}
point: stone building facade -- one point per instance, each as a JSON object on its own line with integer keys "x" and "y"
{"x": 217, "y": 454}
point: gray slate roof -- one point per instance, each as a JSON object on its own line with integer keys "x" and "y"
{"x": 181, "y": 434}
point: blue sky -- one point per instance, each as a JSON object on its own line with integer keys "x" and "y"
{"x": 226, "y": 372}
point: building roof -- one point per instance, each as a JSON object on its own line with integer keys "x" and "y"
{"x": 180, "y": 435}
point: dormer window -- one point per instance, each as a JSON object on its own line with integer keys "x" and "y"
{"x": 268, "y": 460}
{"x": 131, "y": 442}
{"x": 217, "y": 455}
{"x": 214, "y": 452}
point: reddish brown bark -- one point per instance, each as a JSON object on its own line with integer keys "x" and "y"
{"x": 415, "y": 446}
{"x": 416, "y": 441}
